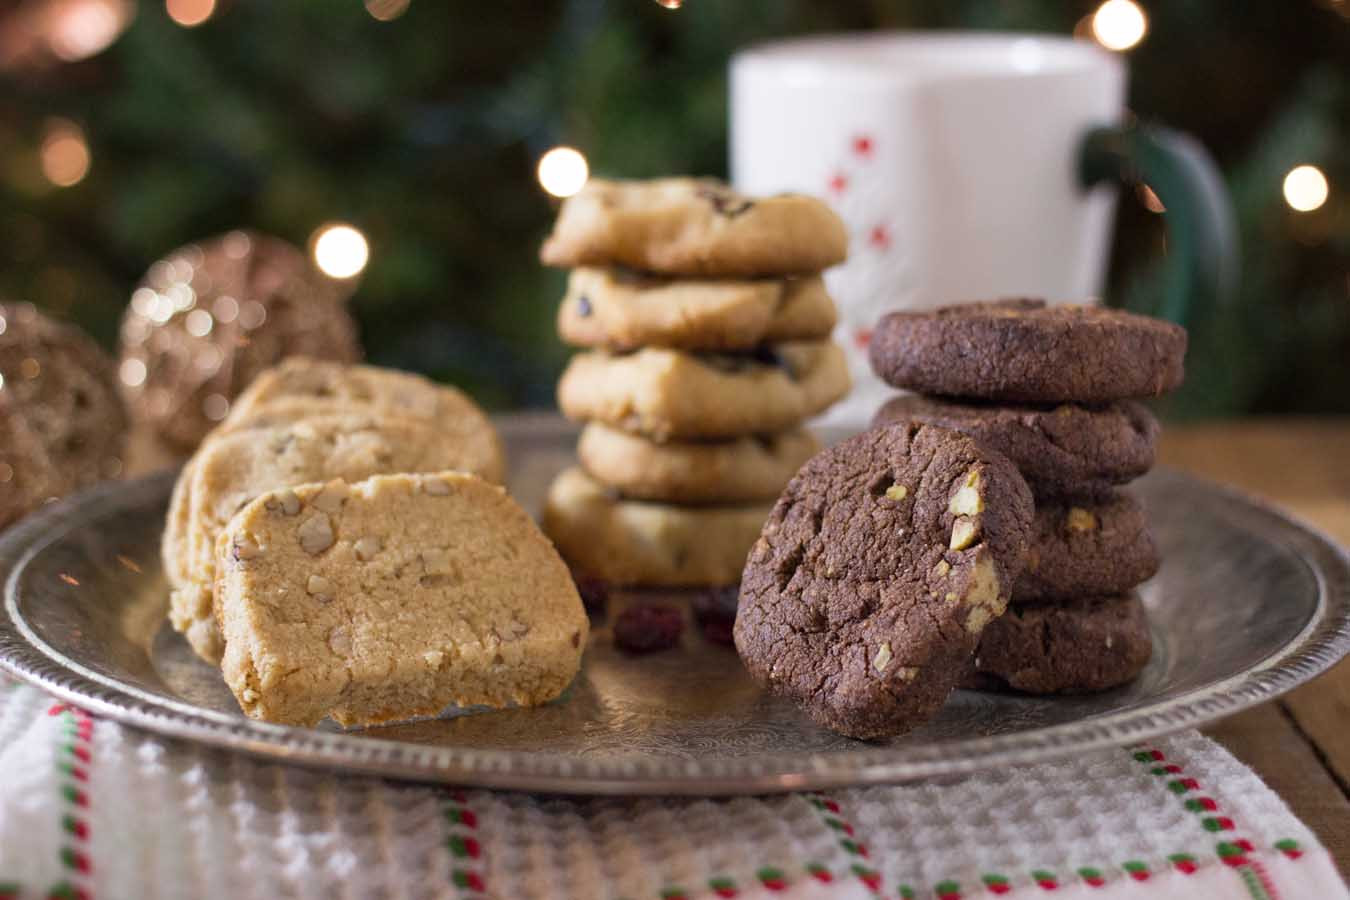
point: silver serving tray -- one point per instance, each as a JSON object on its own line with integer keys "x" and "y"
{"x": 1249, "y": 604}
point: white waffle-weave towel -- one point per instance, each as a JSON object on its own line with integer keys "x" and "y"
{"x": 90, "y": 809}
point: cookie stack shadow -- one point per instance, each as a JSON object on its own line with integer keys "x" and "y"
{"x": 1056, "y": 390}
{"x": 703, "y": 327}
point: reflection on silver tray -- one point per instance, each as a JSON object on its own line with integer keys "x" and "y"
{"x": 1248, "y": 605}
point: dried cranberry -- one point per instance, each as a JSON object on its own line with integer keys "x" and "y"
{"x": 715, "y": 612}
{"x": 648, "y": 627}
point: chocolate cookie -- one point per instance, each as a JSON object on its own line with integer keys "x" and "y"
{"x": 1022, "y": 351}
{"x": 876, "y": 573}
{"x": 1059, "y": 450}
{"x": 1087, "y": 548}
{"x": 694, "y": 226}
{"x": 1084, "y": 645}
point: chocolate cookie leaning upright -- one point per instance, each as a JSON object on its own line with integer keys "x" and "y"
{"x": 876, "y": 573}
{"x": 1023, "y": 351}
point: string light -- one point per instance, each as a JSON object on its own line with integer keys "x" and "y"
{"x": 189, "y": 13}
{"x": 386, "y": 10}
{"x": 64, "y": 155}
{"x": 563, "y": 171}
{"x": 1119, "y": 24}
{"x": 671, "y": 4}
{"x": 82, "y": 28}
{"x": 1306, "y": 188}
{"x": 340, "y": 251}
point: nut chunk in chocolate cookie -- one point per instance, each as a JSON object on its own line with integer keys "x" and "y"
{"x": 1022, "y": 351}
{"x": 877, "y": 571}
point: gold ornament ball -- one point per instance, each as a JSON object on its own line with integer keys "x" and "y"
{"x": 62, "y": 423}
{"x": 210, "y": 316}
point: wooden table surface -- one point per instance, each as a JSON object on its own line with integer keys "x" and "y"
{"x": 1300, "y": 744}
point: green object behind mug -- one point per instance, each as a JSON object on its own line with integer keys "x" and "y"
{"x": 1202, "y": 272}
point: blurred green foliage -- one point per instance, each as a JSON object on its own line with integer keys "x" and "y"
{"x": 424, "y": 132}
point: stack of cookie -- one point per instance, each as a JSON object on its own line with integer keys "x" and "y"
{"x": 309, "y": 421}
{"x": 1054, "y": 389}
{"x": 340, "y": 547}
{"x": 705, "y": 327}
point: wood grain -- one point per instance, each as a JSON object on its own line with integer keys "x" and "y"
{"x": 1301, "y": 744}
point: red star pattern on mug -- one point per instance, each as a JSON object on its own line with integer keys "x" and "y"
{"x": 879, "y": 236}
{"x": 863, "y": 145}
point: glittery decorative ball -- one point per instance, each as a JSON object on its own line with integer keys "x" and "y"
{"x": 62, "y": 422}
{"x": 210, "y": 316}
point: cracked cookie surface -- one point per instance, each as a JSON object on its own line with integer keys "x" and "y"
{"x": 1080, "y": 646}
{"x": 1023, "y": 351}
{"x": 1062, "y": 450}
{"x": 392, "y": 598}
{"x": 1086, "y": 548}
{"x": 619, "y": 309}
{"x": 877, "y": 571}
{"x": 694, "y": 226}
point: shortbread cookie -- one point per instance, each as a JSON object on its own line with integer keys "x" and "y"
{"x": 1059, "y": 450}
{"x": 1079, "y": 646}
{"x": 1087, "y": 548}
{"x": 233, "y": 468}
{"x": 392, "y": 598}
{"x": 629, "y": 542}
{"x": 672, "y": 394}
{"x": 876, "y": 574}
{"x": 298, "y": 382}
{"x": 740, "y": 470}
{"x": 619, "y": 309}
{"x": 1022, "y": 351}
{"x": 694, "y": 226}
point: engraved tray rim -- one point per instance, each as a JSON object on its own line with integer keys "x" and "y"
{"x": 1318, "y": 646}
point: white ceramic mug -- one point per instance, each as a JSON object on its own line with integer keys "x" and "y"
{"x": 963, "y": 165}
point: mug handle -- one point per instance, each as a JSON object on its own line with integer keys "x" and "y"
{"x": 1202, "y": 228}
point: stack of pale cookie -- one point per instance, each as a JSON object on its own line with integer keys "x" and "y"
{"x": 340, "y": 547}
{"x": 704, "y": 325}
{"x": 1055, "y": 390}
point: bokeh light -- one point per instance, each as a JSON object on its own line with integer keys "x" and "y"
{"x": 1119, "y": 24}
{"x": 563, "y": 171}
{"x": 82, "y": 28}
{"x": 189, "y": 13}
{"x": 340, "y": 251}
{"x": 386, "y": 10}
{"x": 64, "y": 155}
{"x": 1306, "y": 188}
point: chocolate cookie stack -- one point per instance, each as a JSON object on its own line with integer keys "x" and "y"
{"x": 1055, "y": 389}
{"x": 704, "y": 326}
